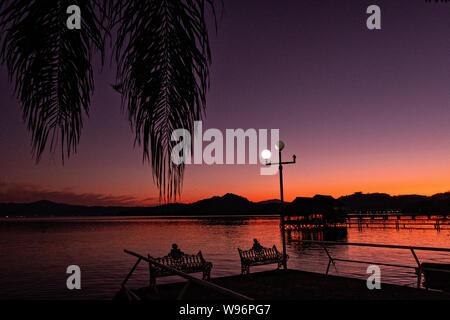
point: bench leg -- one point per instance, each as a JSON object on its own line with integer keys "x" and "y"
{"x": 248, "y": 272}
{"x": 245, "y": 270}
{"x": 152, "y": 280}
{"x": 207, "y": 271}
{"x": 206, "y": 275}
{"x": 153, "y": 284}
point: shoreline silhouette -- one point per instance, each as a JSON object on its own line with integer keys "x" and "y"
{"x": 231, "y": 204}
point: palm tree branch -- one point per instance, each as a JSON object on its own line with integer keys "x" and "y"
{"x": 50, "y": 68}
{"x": 163, "y": 59}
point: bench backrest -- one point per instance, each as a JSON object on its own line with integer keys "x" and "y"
{"x": 185, "y": 260}
{"x": 266, "y": 253}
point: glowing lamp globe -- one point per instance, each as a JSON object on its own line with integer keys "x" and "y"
{"x": 279, "y": 145}
{"x": 266, "y": 154}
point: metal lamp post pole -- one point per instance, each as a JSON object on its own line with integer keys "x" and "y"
{"x": 283, "y": 230}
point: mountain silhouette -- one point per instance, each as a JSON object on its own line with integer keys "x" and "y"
{"x": 360, "y": 202}
{"x": 228, "y": 202}
{"x": 231, "y": 204}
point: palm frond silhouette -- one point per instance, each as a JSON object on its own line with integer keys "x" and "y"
{"x": 162, "y": 54}
{"x": 50, "y": 66}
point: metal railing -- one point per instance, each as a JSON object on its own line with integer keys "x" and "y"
{"x": 177, "y": 272}
{"x": 418, "y": 270}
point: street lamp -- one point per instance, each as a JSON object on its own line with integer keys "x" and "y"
{"x": 266, "y": 155}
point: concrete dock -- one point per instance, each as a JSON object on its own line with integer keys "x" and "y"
{"x": 291, "y": 285}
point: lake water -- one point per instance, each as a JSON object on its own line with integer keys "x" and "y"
{"x": 34, "y": 253}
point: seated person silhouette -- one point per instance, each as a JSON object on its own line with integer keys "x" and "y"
{"x": 257, "y": 246}
{"x": 175, "y": 253}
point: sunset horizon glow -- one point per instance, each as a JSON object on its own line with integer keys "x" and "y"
{"x": 363, "y": 111}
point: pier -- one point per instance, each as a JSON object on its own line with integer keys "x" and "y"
{"x": 399, "y": 221}
{"x": 288, "y": 285}
{"x": 374, "y": 220}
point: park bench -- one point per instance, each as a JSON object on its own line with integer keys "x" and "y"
{"x": 260, "y": 257}
{"x": 185, "y": 263}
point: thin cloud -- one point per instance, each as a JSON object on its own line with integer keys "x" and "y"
{"x": 23, "y": 193}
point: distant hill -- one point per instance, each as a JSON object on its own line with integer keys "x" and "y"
{"x": 231, "y": 204}
{"x": 438, "y": 203}
{"x": 225, "y": 204}
{"x": 49, "y": 208}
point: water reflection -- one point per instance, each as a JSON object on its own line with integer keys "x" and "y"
{"x": 330, "y": 234}
{"x": 96, "y": 245}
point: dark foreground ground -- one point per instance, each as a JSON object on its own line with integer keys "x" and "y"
{"x": 291, "y": 285}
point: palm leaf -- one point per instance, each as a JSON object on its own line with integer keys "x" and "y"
{"x": 163, "y": 59}
{"x": 50, "y": 67}
{"x": 162, "y": 53}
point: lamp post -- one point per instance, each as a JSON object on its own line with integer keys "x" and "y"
{"x": 266, "y": 155}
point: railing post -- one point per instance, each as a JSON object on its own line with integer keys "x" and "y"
{"x": 415, "y": 257}
{"x": 131, "y": 272}
{"x": 330, "y": 260}
{"x": 130, "y": 294}
{"x": 418, "y": 270}
{"x": 183, "y": 291}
